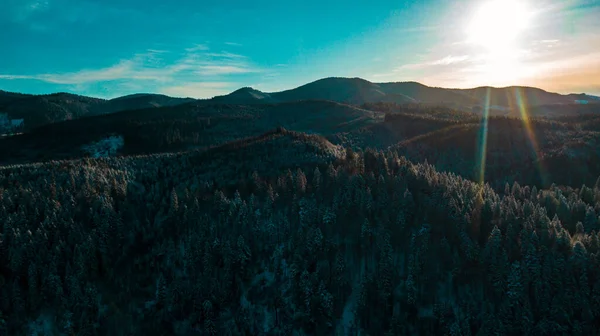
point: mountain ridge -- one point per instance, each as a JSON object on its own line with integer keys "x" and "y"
{"x": 136, "y": 95}
{"x": 39, "y": 110}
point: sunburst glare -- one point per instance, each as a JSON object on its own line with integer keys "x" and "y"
{"x": 483, "y": 133}
{"x": 497, "y": 24}
{"x": 524, "y": 114}
{"x": 496, "y": 30}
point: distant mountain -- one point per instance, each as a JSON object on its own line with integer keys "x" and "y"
{"x": 246, "y": 95}
{"x": 514, "y": 96}
{"x": 196, "y": 125}
{"x": 359, "y": 91}
{"x": 9, "y": 97}
{"x": 143, "y": 100}
{"x": 425, "y": 94}
{"x": 532, "y": 153}
{"x": 39, "y": 110}
{"x": 344, "y": 90}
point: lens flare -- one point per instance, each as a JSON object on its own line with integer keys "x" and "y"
{"x": 524, "y": 114}
{"x": 483, "y": 133}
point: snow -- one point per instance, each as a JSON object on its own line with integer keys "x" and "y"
{"x": 105, "y": 147}
{"x": 347, "y": 321}
{"x": 42, "y": 326}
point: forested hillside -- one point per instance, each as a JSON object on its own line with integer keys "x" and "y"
{"x": 307, "y": 217}
{"x": 40, "y": 110}
{"x": 317, "y": 240}
{"x": 181, "y": 127}
{"x": 530, "y": 151}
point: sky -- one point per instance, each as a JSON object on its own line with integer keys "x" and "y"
{"x": 110, "y": 48}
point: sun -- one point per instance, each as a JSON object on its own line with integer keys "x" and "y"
{"x": 497, "y": 24}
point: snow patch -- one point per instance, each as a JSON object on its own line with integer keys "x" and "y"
{"x": 105, "y": 147}
{"x": 42, "y": 326}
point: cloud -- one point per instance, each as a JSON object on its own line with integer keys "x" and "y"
{"x": 14, "y": 77}
{"x": 150, "y": 68}
{"x": 197, "y": 47}
{"x": 208, "y": 70}
{"x": 450, "y": 60}
{"x": 178, "y": 74}
{"x": 233, "y": 44}
{"x": 436, "y": 63}
{"x": 19, "y": 11}
{"x": 198, "y": 90}
{"x": 225, "y": 55}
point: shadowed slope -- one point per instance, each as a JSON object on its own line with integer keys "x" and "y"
{"x": 181, "y": 127}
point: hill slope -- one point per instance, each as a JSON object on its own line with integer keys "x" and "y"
{"x": 44, "y": 109}
{"x": 359, "y": 91}
{"x": 181, "y": 127}
{"x": 39, "y": 110}
{"x": 535, "y": 153}
{"x": 366, "y": 244}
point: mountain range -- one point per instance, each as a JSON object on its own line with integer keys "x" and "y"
{"x": 341, "y": 207}
{"x": 38, "y": 110}
{"x": 359, "y": 91}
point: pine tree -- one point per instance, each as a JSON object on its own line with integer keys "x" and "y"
{"x": 317, "y": 181}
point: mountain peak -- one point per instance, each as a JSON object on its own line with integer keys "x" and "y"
{"x": 245, "y": 95}
{"x": 247, "y": 90}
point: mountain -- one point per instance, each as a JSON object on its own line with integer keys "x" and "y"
{"x": 280, "y": 234}
{"x": 515, "y": 95}
{"x": 39, "y": 110}
{"x": 429, "y": 95}
{"x": 533, "y": 153}
{"x": 9, "y": 97}
{"x": 246, "y": 95}
{"x": 345, "y": 90}
{"x": 141, "y": 101}
{"x": 504, "y": 101}
{"x": 180, "y": 127}
{"x": 446, "y": 138}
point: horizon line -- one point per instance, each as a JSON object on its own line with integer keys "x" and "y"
{"x": 296, "y": 87}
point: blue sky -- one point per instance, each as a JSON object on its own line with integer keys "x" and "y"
{"x": 108, "y": 48}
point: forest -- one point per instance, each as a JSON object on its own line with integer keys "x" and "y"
{"x": 287, "y": 233}
{"x": 261, "y": 214}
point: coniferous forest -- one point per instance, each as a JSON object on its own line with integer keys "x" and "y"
{"x": 307, "y": 218}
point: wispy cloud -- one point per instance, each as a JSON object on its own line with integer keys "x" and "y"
{"x": 19, "y": 11}
{"x": 198, "y": 90}
{"x": 429, "y": 64}
{"x": 14, "y": 77}
{"x": 225, "y": 54}
{"x": 233, "y": 44}
{"x": 208, "y": 70}
{"x": 450, "y": 60}
{"x": 151, "y": 69}
{"x": 197, "y": 47}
